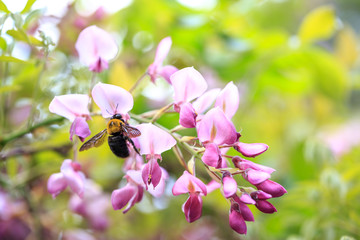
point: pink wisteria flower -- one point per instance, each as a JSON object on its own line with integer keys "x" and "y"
{"x": 188, "y": 84}
{"x": 96, "y": 48}
{"x": 93, "y": 206}
{"x": 112, "y": 100}
{"x": 156, "y": 69}
{"x": 190, "y": 184}
{"x": 239, "y": 213}
{"x": 69, "y": 175}
{"x": 153, "y": 141}
{"x": 75, "y": 108}
{"x": 250, "y": 149}
{"x": 228, "y": 100}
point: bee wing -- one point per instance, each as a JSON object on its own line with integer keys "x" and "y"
{"x": 95, "y": 141}
{"x": 131, "y": 132}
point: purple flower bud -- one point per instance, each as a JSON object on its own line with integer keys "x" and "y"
{"x": 192, "y": 207}
{"x": 271, "y": 187}
{"x": 265, "y": 206}
{"x": 187, "y": 116}
{"x": 250, "y": 149}
{"x": 229, "y": 185}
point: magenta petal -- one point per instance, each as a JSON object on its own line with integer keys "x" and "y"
{"x": 255, "y": 177}
{"x": 217, "y": 128}
{"x": 160, "y": 188}
{"x": 75, "y": 179}
{"x": 151, "y": 173}
{"x": 193, "y": 208}
{"x": 237, "y": 222}
{"x": 99, "y": 65}
{"x": 271, "y": 187}
{"x": 260, "y": 195}
{"x": 228, "y": 100}
{"x": 212, "y": 155}
{"x": 246, "y": 212}
{"x": 56, "y": 184}
{"x": 94, "y": 43}
{"x": 112, "y": 99}
{"x": 188, "y": 183}
{"x": 187, "y": 116}
{"x": 244, "y": 164}
{"x": 121, "y": 197}
{"x": 246, "y": 198}
{"x": 265, "y": 206}
{"x": 229, "y": 186}
{"x": 167, "y": 71}
{"x": 70, "y": 106}
{"x": 188, "y": 84}
{"x": 202, "y": 103}
{"x": 80, "y": 128}
{"x": 137, "y": 198}
{"x": 154, "y": 140}
{"x": 250, "y": 149}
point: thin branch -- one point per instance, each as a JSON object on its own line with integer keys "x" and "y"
{"x": 21, "y": 133}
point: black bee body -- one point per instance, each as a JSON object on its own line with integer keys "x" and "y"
{"x": 119, "y": 135}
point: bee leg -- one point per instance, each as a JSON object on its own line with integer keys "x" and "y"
{"x": 132, "y": 143}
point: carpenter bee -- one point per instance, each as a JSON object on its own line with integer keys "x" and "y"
{"x": 120, "y": 133}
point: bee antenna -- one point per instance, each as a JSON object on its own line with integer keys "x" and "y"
{"x": 108, "y": 112}
{"x": 116, "y": 106}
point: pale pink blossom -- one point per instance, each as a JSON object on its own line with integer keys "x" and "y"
{"x": 156, "y": 69}
{"x": 69, "y": 175}
{"x": 229, "y": 185}
{"x": 112, "y": 99}
{"x": 153, "y": 141}
{"x": 74, "y": 107}
{"x": 228, "y": 100}
{"x": 188, "y": 84}
{"x": 204, "y": 102}
{"x": 215, "y": 127}
{"x": 96, "y": 48}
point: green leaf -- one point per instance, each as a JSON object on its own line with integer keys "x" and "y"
{"x": 3, "y": 7}
{"x": 319, "y": 24}
{"x": 10, "y": 59}
{"x": 21, "y": 36}
{"x": 32, "y": 16}
{"x": 18, "y": 20}
{"x": 3, "y": 44}
{"x": 28, "y": 6}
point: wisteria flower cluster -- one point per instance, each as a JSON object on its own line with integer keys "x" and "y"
{"x": 208, "y": 111}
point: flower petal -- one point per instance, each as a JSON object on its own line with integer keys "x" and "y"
{"x": 255, "y": 177}
{"x": 94, "y": 43}
{"x": 154, "y": 140}
{"x": 212, "y": 185}
{"x": 188, "y": 84}
{"x": 193, "y": 208}
{"x": 271, "y": 187}
{"x": 265, "y": 206}
{"x": 187, "y": 116}
{"x": 112, "y": 99}
{"x": 162, "y": 50}
{"x": 212, "y": 155}
{"x": 160, "y": 188}
{"x": 167, "y": 71}
{"x": 121, "y": 197}
{"x": 188, "y": 183}
{"x": 228, "y": 100}
{"x": 217, "y": 128}
{"x": 244, "y": 164}
{"x": 236, "y": 221}
{"x": 250, "y": 149}
{"x": 70, "y": 106}
{"x": 56, "y": 184}
{"x": 229, "y": 185}
{"x": 202, "y": 103}
{"x": 75, "y": 179}
{"x": 151, "y": 173}
{"x": 80, "y": 128}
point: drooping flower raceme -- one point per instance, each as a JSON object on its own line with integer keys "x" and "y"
{"x": 69, "y": 175}
{"x": 75, "y": 108}
{"x": 96, "y": 48}
{"x": 156, "y": 69}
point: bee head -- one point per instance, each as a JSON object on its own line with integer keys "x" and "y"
{"x": 117, "y": 116}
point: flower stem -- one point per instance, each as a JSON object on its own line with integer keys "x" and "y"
{"x": 92, "y": 84}
{"x": 137, "y": 82}
{"x": 47, "y": 122}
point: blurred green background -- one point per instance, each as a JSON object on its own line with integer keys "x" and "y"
{"x": 297, "y": 68}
